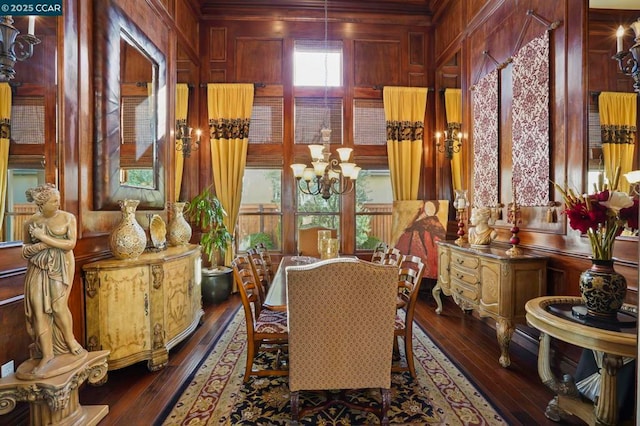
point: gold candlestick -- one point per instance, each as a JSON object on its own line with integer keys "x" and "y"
{"x": 514, "y": 218}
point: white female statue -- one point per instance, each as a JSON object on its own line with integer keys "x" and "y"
{"x": 49, "y": 237}
{"x": 480, "y": 233}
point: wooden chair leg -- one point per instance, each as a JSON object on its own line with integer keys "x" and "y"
{"x": 386, "y": 404}
{"x": 294, "y": 400}
{"x": 408, "y": 351}
{"x": 396, "y": 349}
{"x": 251, "y": 352}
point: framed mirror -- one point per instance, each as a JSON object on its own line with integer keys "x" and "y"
{"x": 604, "y": 74}
{"x": 130, "y": 116}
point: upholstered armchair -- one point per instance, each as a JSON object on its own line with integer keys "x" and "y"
{"x": 341, "y": 329}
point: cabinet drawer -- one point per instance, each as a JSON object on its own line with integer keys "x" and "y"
{"x": 471, "y": 277}
{"x": 464, "y": 260}
{"x": 462, "y": 289}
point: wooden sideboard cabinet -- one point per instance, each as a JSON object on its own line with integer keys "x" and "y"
{"x": 139, "y": 309}
{"x": 492, "y": 283}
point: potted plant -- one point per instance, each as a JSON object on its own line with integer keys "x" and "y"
{"x": 206, "y": 211}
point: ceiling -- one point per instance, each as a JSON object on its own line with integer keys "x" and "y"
{"x": 418, "y": 7}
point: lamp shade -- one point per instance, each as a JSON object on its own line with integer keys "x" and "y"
{"x": 347, "y": 168}
{"x": 344, "y": 153}
{"x": 308, "y": 174}
{"x": 298, "y": 169}
{"x": 317, "y": 152}
{"x": 319, "y": 166}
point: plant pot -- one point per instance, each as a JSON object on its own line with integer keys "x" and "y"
{"x": 216, "y": 284}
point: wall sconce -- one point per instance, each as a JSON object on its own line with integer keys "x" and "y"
{"x": 629, "y": 61}
{"x": 184, "y": 140}
{"x": 14, "y": 46}
{"x": 452, "y": 140}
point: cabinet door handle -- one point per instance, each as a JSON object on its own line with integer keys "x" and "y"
{"x": 459, "y": 275}
{"x": 146, "y": 304}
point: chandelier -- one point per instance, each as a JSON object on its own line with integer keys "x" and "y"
{"x": 452, "y": 140}
{"x": 14, "y": 46}
{"x": 629, "y": 61}
{"x": 184, "y": 140}
{"x": 328, "y": 175}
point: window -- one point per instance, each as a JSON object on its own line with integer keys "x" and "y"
{"x": 317, "y": 63}
{"x": 260, "y": 218}
{"x": 374, "y": 203}
{"x": 309, "y": 118}
{"x": 369, "y": 125}
{"x": 267, "y": 121}
{"x": 313, "y": 210}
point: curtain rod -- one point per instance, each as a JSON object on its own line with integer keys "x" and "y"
{"x": 381, "y": 86}
{"x": 255, "y": 85}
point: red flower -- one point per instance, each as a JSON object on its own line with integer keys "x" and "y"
{"x": 581, "y": 217}
{"x": 630, "y": 215}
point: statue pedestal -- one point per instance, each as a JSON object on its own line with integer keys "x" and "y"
{"x": 54, "y": 401}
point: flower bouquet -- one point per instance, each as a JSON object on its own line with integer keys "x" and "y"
{"x": 602, "y": 216}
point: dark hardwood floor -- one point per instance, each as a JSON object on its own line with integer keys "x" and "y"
{"x": 136, "y": 396}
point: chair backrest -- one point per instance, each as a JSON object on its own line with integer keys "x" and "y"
{"x": 266, "y": 257}
{"x": 249, "y": 288}
{"x": 260, "y": 268}
{"x": 308, "y": 240}
{"x": 341, "y": 324}
{"x": 391, "y": 256}
{"x": 410, "y": 274}
{"x": 378, "y": 252}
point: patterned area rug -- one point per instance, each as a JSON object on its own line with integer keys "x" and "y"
{"x": 440, "y": 395}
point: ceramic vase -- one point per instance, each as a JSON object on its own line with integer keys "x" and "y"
{"x": 179, "y": 230}
{"x": 128, "y": 239}
{"x": 602, "y": 289}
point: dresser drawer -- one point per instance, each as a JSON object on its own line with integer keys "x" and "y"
{"x": 469, "y": 276}
{"x": 467, "y": 291}
{"x": 464, "y": 260}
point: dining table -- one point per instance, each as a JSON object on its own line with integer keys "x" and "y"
{"x": 276, "y": 298}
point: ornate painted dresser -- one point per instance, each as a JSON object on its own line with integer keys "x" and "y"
{"x": 490, "y": 282}
{"x": 139, "y": 309}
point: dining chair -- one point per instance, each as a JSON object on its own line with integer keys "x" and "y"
{"x": 341, "y": 331}
{"x": 266, "y": 329}
{"x": 391, "y": 256}
{"x": 378, "y": 252}
{"x": 410, "y": 272}
{"x": 260, "y": 268}
{"x": 266, "y": 257}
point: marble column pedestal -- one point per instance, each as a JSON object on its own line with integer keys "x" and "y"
{"x": 54, "y": 400}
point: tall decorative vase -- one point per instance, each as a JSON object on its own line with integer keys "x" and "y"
{"x": 128, "y": 239}
{"x": 179, "y": 231}
{"x": 602, "y": 289}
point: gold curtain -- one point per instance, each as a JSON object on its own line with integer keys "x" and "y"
{"x": 230, "y": 108}
{"x": 404, "y": 109}
{"x": 618, "y": 117}
{"x": 5, "y": 136}
{"x": 182, "y": 108}
{"x": 453, "y": 107}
